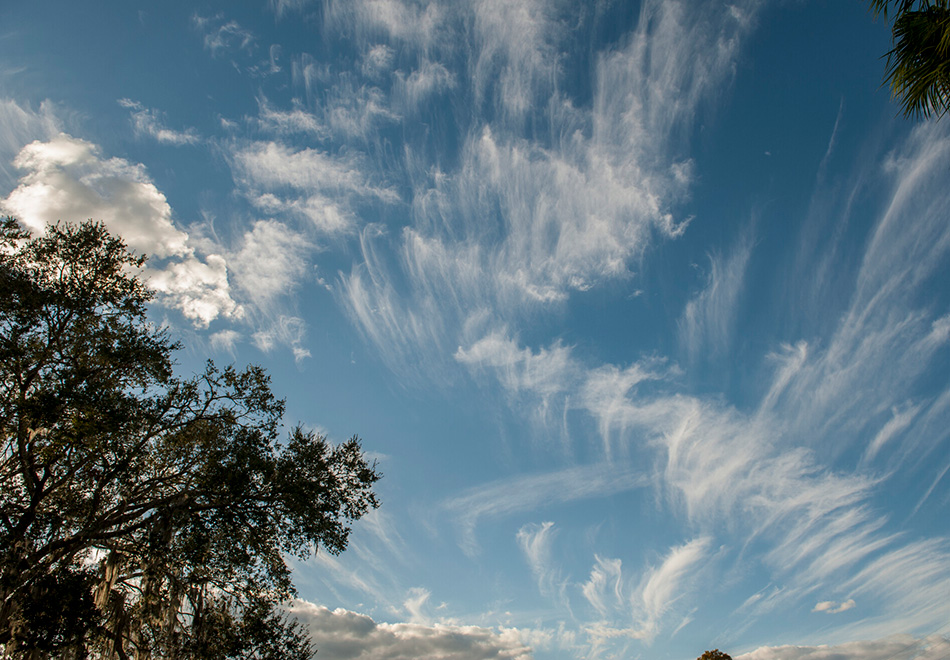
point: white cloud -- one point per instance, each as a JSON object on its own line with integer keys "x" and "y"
{"x": 271, "y": 261}
{"x": 272, "y": 165}
{"x": 280, "y": 7}
{"x": 220, "y": 35}
{"x": 150, "y": 122}
{"x": 535, "y": 542}
{"x": 289, "y": 122}
{"x": 912, "y": 580}
{"x": 378, "y": 60}
{"x": 531, "y": 493}
{"x": 415, "y": 604}
{"x": 709, "y": 318}
{"x": 897, "y": 647}
{"x": 67, "y": 179}
{"x": 20, "y": 125}
{"x": 517, "y": 57}
{"x": 341, "y": 635}
{"x": 883, "y": 342}
{"x": 415, "y": 24}
{"x": 833, "y": 607}
{"x": 351, "y": 110}
{"x": 604, "y": 589}
{"x": 324, "y": 215}
{"x": 541, "y": 378}
{"x": 416, "y": 88}
{"x": 899, "y": 422}
{"x": 664, "y": 585}
{"x": 519, "y": 225}
{"x": 225, "y": 340}
{"x": 285, "y": 330}
{"x": 305, "y": 183}
{"x": 198, "y": 288}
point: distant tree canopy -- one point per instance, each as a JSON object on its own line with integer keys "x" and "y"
{"x": 715, "y": 654}
{"x": 918, "y": 67}
{"x": 143, "y": 515}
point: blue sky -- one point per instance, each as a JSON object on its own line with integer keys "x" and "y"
{"x": 643, "y": 309}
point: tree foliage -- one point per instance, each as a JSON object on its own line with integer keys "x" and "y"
{"x": 141, "y": 514}
{"x": 918, "y": 67}
{"x": 715, "y": 654}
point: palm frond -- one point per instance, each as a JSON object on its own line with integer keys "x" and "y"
{"x": 918, "y": 67}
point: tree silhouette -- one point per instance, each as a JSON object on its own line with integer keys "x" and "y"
{"x": 918, "y": 67}
{"x": 143, "y": 515}
{"x": 715, "y": 654}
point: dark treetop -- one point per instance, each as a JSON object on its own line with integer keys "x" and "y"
{"x": 142, "y": 514}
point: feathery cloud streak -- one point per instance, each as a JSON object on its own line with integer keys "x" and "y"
{"x": 522, "y": 222}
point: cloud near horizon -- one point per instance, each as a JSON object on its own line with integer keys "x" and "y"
{"x": 344, "y": 635}
{"x": 897, "y": 647}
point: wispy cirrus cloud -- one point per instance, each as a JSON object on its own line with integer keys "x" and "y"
{"x": 640, "y": 613}
{"x": 665, "y": 584}
{"x": 20, "y": 125}
{"x": 270, "y": 262}
{"x": 149, "y": 122}
{"x": 536, "y": 197}
{"x": 833, "y": 607}
{"x": 536, "y": 542}
{"x": 604, "y": 588}
{"x": 416, "y": 24}
{"x": 531, "y": 493}
{"x": 708, "y": 322}
{"x": 221, "y": 35}
{"x": 297, "y": 120}
{"x": 306, "y": 183}
{"x": 520, "y": 224}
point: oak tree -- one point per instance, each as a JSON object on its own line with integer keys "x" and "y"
{"x": 143, "y": 514}
{"x": 715, "y": 654}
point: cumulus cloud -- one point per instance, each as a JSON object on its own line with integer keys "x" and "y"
{"x": 20, "y": 125}
{"x": 67, "y": 179}
{"x": 149, "y": 122}
{"x": 341, "y": 634}
{"x": 897, "y": 647}
{"x": 200, "y": 289}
